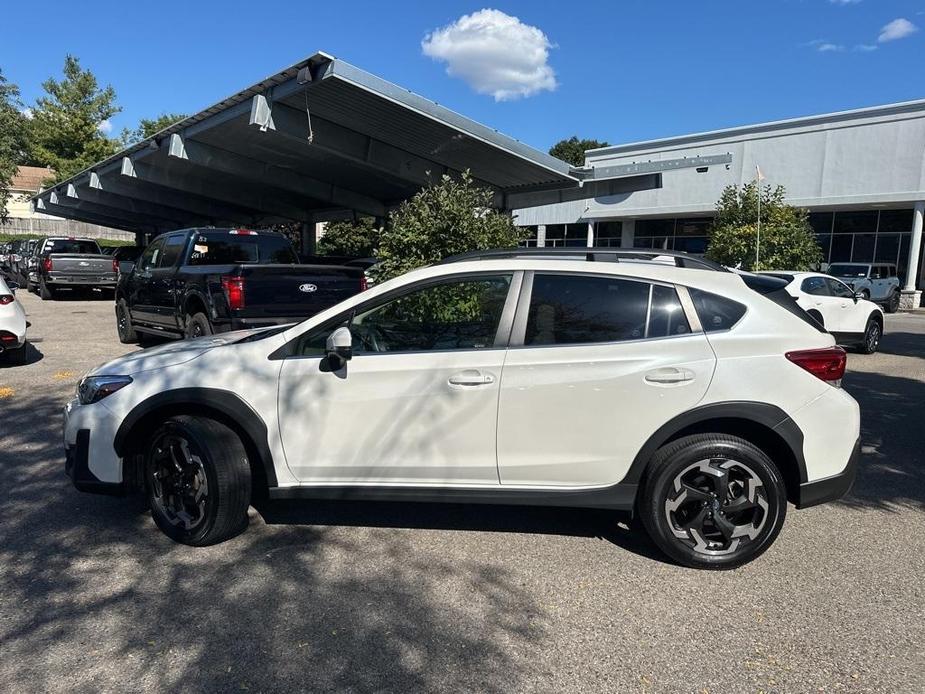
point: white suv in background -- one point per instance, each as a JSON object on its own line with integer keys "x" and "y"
{"x": 852, "y": 320}
{"x": 698, "y": 398}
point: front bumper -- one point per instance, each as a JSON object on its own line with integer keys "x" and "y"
{"x": 90, "y": 459}
{"x": 830, "y": 488}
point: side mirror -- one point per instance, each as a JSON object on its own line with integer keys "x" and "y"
{"x": 858, "y": 296}
{"x": 339, "y": 348}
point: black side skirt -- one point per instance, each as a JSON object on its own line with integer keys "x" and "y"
{"x": 619, "y": 497}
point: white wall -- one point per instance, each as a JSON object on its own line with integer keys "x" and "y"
{"x": 850, "y": 159}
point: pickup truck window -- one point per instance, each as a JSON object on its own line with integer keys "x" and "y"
{"x": 173, "y": 248}
{"x": 71, "y": 246}
{"x": 222, "y": 248}
{"x": 151, "y": 255}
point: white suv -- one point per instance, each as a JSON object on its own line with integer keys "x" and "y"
{"x": 700, "y": 399}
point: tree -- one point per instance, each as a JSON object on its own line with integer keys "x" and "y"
{"x": 573, "y": 150}
{"x": 65, "y": 125}
{"x": 449, "y": 217}
{"x": 148, "y": 127}
{"x": 358, "y": 238}
{"x": 13, "y": 140}
{"x": 787, "y": 241}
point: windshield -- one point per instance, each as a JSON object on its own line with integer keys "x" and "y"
{"x": 71, "y": 246}
{"x": 224, "y": 248}
{"x": 848, "y": 270}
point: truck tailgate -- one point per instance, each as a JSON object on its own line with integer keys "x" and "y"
{"x": 297, "y": 291}
{"x": 77, "y": 264}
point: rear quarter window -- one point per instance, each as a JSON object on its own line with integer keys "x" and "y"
{"x": 716, "y": 312}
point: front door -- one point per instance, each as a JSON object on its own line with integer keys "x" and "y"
{"x": 141, "y": 284}
{"x": 604, "y": 362}
{"x": 418, "y": 402}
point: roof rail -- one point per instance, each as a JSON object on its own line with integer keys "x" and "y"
{"x": 612, "y": 255}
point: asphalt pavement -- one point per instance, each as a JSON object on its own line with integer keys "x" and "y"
{"x": 424, "y": 598}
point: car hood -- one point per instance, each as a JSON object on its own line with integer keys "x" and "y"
{"x": 168, "y": 354}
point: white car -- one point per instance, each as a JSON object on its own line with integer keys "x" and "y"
{"x": 686, "y": 395}
{"x": 12, "y": 325}
{"x": 852, "y": 320}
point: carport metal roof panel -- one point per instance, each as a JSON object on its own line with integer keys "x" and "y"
{"x": 308, "y": 143}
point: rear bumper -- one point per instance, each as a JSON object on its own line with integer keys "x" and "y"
{"x": 830, "y": 488}
{"x": 78, "y": 281}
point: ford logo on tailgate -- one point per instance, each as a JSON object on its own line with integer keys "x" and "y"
{"x": 84, "y": 263}
{"x": 308, "y": 288}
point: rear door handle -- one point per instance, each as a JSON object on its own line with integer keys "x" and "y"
{"x": 471, "y": 377}
{"x": 669, "y": 374}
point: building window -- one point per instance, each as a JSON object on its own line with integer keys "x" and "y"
{"x": 608, "y": 234}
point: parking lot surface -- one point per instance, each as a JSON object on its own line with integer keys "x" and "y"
{"x": 404, "y": 597}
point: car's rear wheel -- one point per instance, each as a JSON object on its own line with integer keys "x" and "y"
{"x": 713, "y": 501}
{"x": 198, "y": 325}
{"x": 872, "y": 334}
{"x": 892, "y": 304}
{"x": 127, "y": 334}
{"x": 198, "y": 480}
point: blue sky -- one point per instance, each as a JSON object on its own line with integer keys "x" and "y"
{"x": 614, "y": 70}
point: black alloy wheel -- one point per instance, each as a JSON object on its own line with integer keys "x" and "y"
{"x": 198, "y": 480}
{"x": 872, "y": 335}
{"x": 712, "y": 501}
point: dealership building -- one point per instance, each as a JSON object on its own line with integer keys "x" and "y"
{"x": 861, "y": 175}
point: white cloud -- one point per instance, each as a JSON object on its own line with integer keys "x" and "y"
{"x": 829, "y": 48}
{"x": 864, "y": 48}
{"x": 494, "y": 54}
{"x": 844, "y": 2}
{"x": 27, "y": 112}
{"x": 897, "y": 29}
{"x": 105, "y": 127}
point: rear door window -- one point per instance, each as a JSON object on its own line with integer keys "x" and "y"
{"x": 173, "y": 249}
{"x": 716, "y": 312}
{"x": 817, "y": 286}
{"x": 574, "y": 309}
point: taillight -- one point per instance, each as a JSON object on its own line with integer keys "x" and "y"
{"x": 6, "y": 299}
{"x": 234, "y": 290}
{"x": 827, "y": 364}
{"x": 115, "y": 265}
{"x": 48, "y": 265}
{"x": 364, "y": 285}
{"x": 7, "y": 338}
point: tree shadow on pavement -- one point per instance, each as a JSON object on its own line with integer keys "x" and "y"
{"x": 890, "y": 474}
{"x": 93, "y": 598}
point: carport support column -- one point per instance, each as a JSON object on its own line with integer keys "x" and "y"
{"x": 911, "y": 297}
{"x": 309, "y": 237}
{"x": 590, "y": 241}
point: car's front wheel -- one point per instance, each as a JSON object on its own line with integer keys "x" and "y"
{"x": 198, "y": 480}
{"x": 127, "y": 334}
{"x": 712, "y": 501}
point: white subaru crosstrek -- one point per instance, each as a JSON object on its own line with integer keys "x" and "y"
{"x": 852, "y": 320}
{"x": 700, "y": 399}
{"x": 13, "y": 345}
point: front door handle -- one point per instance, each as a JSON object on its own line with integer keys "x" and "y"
{"x": 669, "y": 374}
{"x": 471, "y": 377}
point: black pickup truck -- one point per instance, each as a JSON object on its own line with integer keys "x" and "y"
{"x": 197, "y": 282}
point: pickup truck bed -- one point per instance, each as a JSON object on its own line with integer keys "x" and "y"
{"x": 202, "y": 281}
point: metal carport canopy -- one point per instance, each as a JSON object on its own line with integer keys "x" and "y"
{"x": 319, "y": 140}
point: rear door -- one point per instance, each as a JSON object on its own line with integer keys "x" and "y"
{"x": 818, "y": 297}
{"x": 597, "y": 364}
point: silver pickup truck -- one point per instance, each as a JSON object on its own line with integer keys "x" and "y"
{"x": 75, "y": 264}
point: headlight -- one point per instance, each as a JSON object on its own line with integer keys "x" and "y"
{"x": 94, "y": 388}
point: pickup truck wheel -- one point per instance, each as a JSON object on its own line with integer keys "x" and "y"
{"x": 712, "y": 501}
{"x": 198, "y": 325}
{"x": 198, "y": 480}
{"x": 127, "y": 334}
{"x": 892, "y": 304}
{"x": 44, "y": 291}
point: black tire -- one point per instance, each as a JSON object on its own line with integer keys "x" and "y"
{"x": 696, "y": 528}
{"x": 45, "y": 292}
{"x": 127, "y": 334}
{"x": 198, "y": 325}
{"x": 892, "y": 304}
{"x": 198, "y": 480}
{"x": 872, "y": 334}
